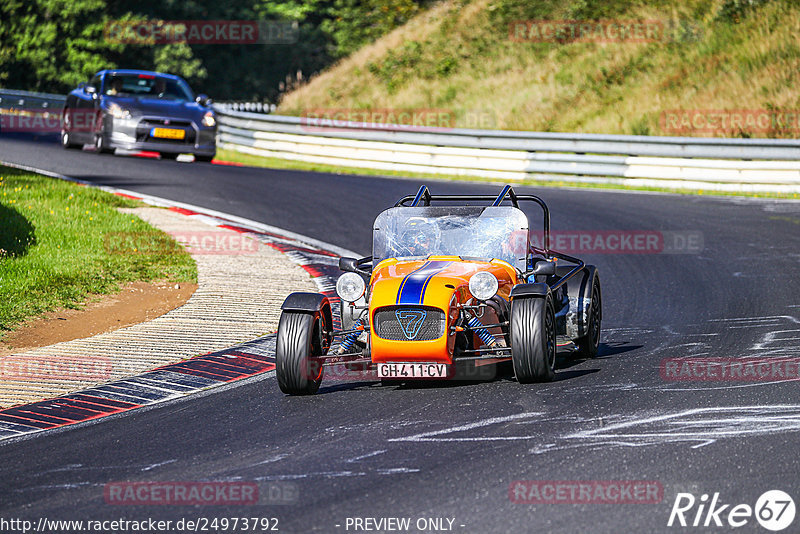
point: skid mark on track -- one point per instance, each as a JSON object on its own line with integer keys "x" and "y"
{"x": 737, "y": 386}
{"x": 627, "y": 331}
{"x": 368, "y": 455}
{"x": 780, "y": 337}
{"x": 773, "y": 321}
{"x": 60, "y": 487}
{"x": 312, "y": 474}
{"x": 769, "y": 337}
{"x": 628, "y": 386}
{"x": 697, "y": 427}
{"x": 701, "y": 426}
{"x": 159, "y": 464}
{"x": 382, "y": 471}
{"x": 272, "y": 459}
{"x": 398, "y": 471}
{"x": 442, "y": 435}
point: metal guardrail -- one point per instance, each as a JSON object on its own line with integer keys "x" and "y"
{"x": 255, "y": 107}
{"x": 751, "y": 165}
{"x": 631, "y": 145}
{"x": 11, "y": 99}
{"x": 676, "y": 162}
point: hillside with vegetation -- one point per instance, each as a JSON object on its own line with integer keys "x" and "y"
{"x": 52, "y": 45}
{"x": 461, "y": 55}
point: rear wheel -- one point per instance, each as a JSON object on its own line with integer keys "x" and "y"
{"x": 590, "y": 343}
{"x": 300, "y": 339}
{"x": 533, "y": 339}
{"x": 168, "y": 155}
{"x": 204, "y": 159}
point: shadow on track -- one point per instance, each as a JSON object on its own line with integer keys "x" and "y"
{"x": 504, "y": 372}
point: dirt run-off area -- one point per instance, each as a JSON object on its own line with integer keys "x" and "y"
{"x": 135, "y": 303}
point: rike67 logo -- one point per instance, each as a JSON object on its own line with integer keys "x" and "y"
{"x": 774, "y": 510}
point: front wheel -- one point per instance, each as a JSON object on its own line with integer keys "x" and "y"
{"x": 66, "y": 140}
{"x": 101, "y": 145}
{"x": 300, "y": 339}
{"x": 533, "y": 339}
{"x": 204, "y": 159}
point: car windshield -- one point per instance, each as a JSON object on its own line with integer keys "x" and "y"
{"x": 499, "y": 232}
{"x": 147, "y": 85}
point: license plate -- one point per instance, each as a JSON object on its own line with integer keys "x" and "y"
{"x": 412, "y": 370}
{"x": 167, "y": 133}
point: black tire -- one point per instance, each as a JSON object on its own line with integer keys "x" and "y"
{"x": 168, "y": 155}
{"x": 66, "y": 135}
{"x": 533, "y": 339}
{"x": 100, "y": 144}
{"x": 203, "y": 159}
{"x": 589, "y": 344}
{"x": 299, "y": 340}
{"x": 66, "y": 141}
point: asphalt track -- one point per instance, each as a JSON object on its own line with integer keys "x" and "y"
{"x": 452, "y": 451}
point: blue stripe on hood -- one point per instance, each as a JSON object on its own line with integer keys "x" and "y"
{"x": 412, "y": 289}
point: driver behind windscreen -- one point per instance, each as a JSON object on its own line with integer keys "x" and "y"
{"x": 419, "y": 238}
{"x": 159, "y": 87}
{"x": 115, "y": 87}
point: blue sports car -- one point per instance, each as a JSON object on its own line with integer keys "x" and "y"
{"x": 139, "y": 110}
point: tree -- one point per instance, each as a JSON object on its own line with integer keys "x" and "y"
{"x": 51, "y": 44}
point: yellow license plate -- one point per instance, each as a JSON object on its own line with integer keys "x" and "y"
{"x": 167, "y": 133}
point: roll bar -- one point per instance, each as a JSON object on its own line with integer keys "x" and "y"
{"x": 424, "y": 198}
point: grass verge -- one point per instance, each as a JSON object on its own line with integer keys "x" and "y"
{"x": 55, "y": 248}
{"x": 469, "y": 58}
{"x": 277, "y": 163}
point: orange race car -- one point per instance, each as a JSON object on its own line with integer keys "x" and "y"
{"x": 450, "y": 286}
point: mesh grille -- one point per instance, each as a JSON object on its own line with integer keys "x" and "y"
{"x": 403, "y": 323}
{"x": 177, "y": 123}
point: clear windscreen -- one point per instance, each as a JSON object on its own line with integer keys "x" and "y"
{"x": 499, "y": 232}
{"x": 147, "y": 85}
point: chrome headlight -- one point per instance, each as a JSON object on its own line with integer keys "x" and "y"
{"x": 483, "y": 285}
{"x": 209, "y": 119}
{"x": 350, "y": 287}
{"x": 117, "y": 112}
